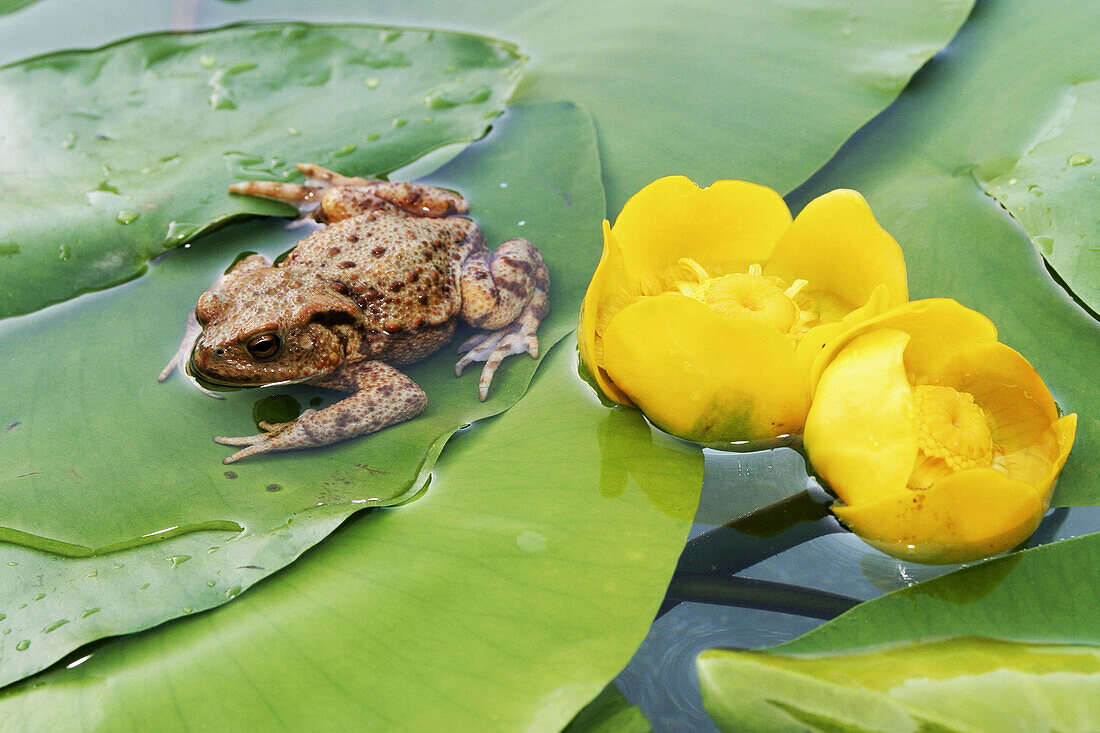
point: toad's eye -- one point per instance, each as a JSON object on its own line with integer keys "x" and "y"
{"x": 264, "y": 346}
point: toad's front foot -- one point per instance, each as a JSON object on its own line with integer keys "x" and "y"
{"x": 382, "y": 396}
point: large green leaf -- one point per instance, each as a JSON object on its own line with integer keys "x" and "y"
{"x": 75, "y": 496}
{"x": 110, "y": 157}
{"x": 1039, "y": 671}
{"x": 761, "y": 91}
{"x": 503, "y": 599}
{"x": 917, "y": 165}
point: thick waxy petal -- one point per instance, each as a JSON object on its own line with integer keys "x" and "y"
{"x": 704, "y": 377}
{"x": 965, "y": 516}
{"x": 939, "y": 329}
{"x": 837, "y": 245}
{"x": 609, "y": 290}
{"x": 819, "y": 336}
{"x": 1065, "y": 430}
{"x": 988, "y": 436}
{"x": 1012, "y": 394}
{"x": 861, "y": 432}
{"x": 725, "y": 228}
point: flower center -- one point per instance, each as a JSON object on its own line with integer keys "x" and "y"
{"x": 954, "y": 434}
{"x": 768, "y": 300}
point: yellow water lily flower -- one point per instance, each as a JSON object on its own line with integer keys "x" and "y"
{"x": 942, "y": 443}
{"x": 710, "y": 305}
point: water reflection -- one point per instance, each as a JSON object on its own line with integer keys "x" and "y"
{"x": 619, "y": 436}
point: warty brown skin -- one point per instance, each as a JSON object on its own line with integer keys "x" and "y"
{"x": 382, "y": 285}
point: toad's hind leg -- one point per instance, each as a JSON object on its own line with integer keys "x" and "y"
{"x": 329, "y": 197}
{"x": 506, "y": 295}
{"x": 382, "y": 396}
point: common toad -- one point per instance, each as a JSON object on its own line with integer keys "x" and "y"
{"x": 380, "y": 286}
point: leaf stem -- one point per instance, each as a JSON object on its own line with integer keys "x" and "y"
{"x": 764, "y": 595}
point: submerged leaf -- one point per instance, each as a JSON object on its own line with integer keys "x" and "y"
{"x": 97, "y": 456}
{"x": 964, "y": 684}
{"x": 991, "y": 652}
{"x": 110, "y": 157}
{"x": 610, "y": 712}
{"x": 9, "y": 6}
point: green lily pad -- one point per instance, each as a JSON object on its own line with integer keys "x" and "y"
{"x": 762, "y": 91}
{"x": 81, "y": 429}
{"x": 992, "y": 653}
{"x": 110, "y": 157}
{"x": 505, "y": 598}
{"x": 918, "y": 165}
{"x": 1053, "y": 188}
{"x": 756, "y": 71}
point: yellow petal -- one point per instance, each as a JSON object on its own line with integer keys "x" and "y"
{"x": 1010, "y": 392}
{"x": 862, "y": 432}
{"x": 964, "y": 516}
{"x": 702, "y": 376}
{"x": 817, "y": 337}
{"x": 837, "y": 245}
{"x": 609, "y": 290}
{"x": 939, "y": 329}
{"x": 1064, "y": 432}
{"x": 725, "y": 228}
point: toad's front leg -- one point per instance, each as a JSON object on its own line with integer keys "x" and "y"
{"x": 382, "y": 396}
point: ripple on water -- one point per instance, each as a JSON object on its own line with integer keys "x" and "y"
{"x": 661, "y": 677}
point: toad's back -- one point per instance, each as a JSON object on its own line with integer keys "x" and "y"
{"x": 400, "y": 270}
